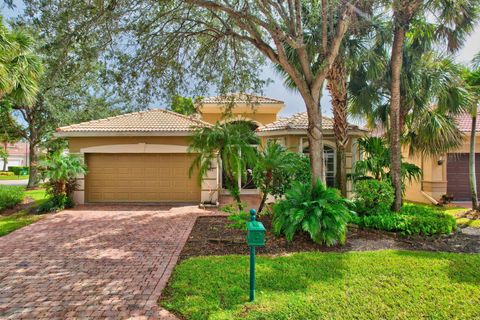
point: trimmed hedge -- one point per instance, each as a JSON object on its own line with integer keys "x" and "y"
{"x": 6, "y": 173}
{"x": 412, "y": 219}
{"x": 18, "y": 170}
{"x": 10, "y": 196}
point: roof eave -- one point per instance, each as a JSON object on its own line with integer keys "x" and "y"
{"x": 79, "y": 134}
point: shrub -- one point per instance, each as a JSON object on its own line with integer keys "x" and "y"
{"x": 10, "y": 196}
{"x": 55, "y": 204}
{"x": 238, "y": 218}
{"x": 19, "y": 170}
{"x": 317, "y": 210}
{"x": 6, "y": 173}
{"x": 373, "y": 197}
{"x": 60, "y": 172}
{"x": 412, "y": 219}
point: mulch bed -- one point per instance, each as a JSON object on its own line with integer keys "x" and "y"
{"x": 212, "y": 235}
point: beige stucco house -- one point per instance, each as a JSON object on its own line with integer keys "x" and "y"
{"x": 143, "y": 156}
{"x": 445, "y": 174}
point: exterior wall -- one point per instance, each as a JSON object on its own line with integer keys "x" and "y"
{"x": 172, "y": 144}
{"x": 262, "y": 114}
{"x": 434, "y": 180}
{"x": 261, "y": 119}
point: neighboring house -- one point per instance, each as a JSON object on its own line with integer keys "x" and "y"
{"x": 446, "y": 174}
{"x": 143, "y": 156}
{"x": 17, "y": 155}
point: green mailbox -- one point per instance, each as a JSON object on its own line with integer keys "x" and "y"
{"x": 255, "y": 238}
{"x": 255, "y": 234}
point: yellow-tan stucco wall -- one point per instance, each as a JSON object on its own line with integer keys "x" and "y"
{"x": 433, "y": 184}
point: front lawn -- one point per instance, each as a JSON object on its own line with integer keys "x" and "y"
{"x": 354, "y": 285}
{"x": 14, "y": 177}
{"x": 25, "y": 216}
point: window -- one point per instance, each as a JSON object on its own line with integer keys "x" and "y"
{"x": 328, "y": 160}
{"x": 280, "y": 141}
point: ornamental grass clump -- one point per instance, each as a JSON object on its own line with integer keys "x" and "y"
{"x": 317, "y": 210}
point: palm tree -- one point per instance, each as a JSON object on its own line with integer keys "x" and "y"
{"x": 271, "y": 159}
{"x": 375, "y": 162}
{"x": 431, "y": 94}
{"x": 233, "y": 144}
{"x": 472, "y": 80}
{"x": 453, "y": 20}
{"x": 20, "y": 67}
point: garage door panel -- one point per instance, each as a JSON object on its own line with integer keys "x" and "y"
{"x": 140, "y": 178}
{"x": 458, "y": 184}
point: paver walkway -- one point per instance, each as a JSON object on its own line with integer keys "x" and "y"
{"x": 93, "y": 262}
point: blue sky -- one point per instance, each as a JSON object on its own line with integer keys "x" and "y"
{"x": 293, "y": 101}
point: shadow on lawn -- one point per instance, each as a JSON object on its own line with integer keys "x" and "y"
{"x": 459, "y": 269}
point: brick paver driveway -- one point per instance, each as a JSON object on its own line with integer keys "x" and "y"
{"x": 92, "y": 262}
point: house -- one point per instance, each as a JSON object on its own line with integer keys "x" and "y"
{"x": 17, "y": 155}
{"x": 143, "y": 156}
{"x": 445, "y": 174}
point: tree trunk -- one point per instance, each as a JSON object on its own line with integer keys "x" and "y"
{"x": 5, "y": 162}
{"x": 337, "y": 85}
{"x": 471, "y": 165}
{"x": 315, "y": 140}
{"x": 395, "y": 129}
{"x": 33, "y": 177}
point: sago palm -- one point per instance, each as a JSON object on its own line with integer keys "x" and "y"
{"x": 317, "y": 210}
{"x": 232, "y": 143}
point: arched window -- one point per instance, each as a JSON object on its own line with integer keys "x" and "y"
{"x": 328, "y": 160}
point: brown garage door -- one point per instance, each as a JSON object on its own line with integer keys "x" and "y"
{"x": 140, "y": 178}
{"x": 457, "y": 175}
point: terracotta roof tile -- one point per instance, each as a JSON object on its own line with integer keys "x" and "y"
{"x": 154, "y": 120}
{"x": 464, "y": 122}
{"x": 298, "y": 121}
{"x": 239, "y": 98}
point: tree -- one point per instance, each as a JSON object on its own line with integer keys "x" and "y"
{"x": 472, "y": 79}
{"x": 183, "y": 105}
{"x": 375, "y": 162}
{"x": 232, "y": 144}
{"x": 221, "y": 43}
{"x": 20, "y": 67}
{"x": 454, "y": 19}
{"x": 8, "y": 134}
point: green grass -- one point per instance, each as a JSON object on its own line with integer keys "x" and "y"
{"x": 22, "y": 218}
{"x": 454, "y": 212}
{"x": 354, "y": 285}
{"x": 13, "y": 177}
{"x": 16, "y": 221}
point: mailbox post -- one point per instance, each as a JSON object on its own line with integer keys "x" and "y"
{"x": 255, "y": 238}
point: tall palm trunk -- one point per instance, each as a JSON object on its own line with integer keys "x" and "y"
{"x": 471, "y": 163}
{"x": 395, "y": 126}
{"x": 337, "y": 85}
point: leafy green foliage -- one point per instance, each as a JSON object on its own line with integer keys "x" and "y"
{"x": 55, "y": 203}
{"x": 18, "y": 170}
{"x": 232, "y": 143}
{"x": 412, "y": 219}
{"x": 317, "y": 210}
{"x": 375, "y": 161}
{"x": 238, "y": 218}
{"x": 320, "y": 285}
{"x": 60, "y": 172}
{"x": 183, "y": 105}
{"x": 373, "y": 196}
{"x": 10, "y": 196}
{"x": 276, "y": 168}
